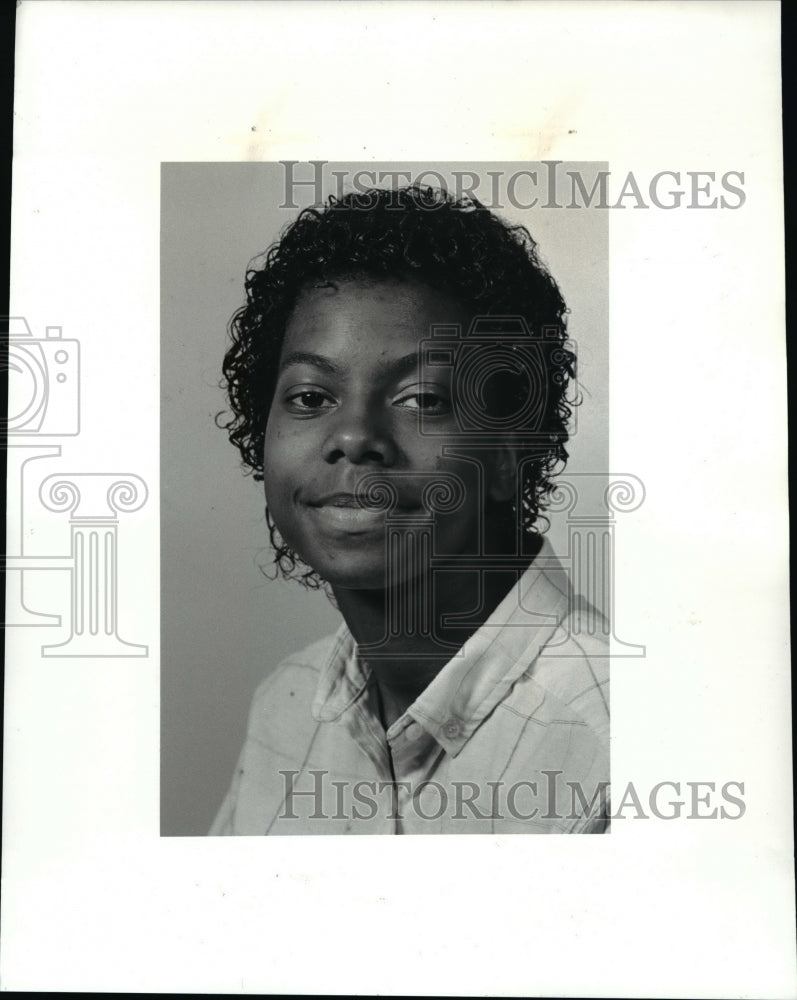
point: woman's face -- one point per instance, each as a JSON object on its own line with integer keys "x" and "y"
{"x": 349, "y": 396}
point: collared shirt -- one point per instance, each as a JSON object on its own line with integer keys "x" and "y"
{"x": 511, "y": 736}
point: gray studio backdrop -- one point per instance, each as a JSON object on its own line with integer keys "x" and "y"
{"x": 225, "y": 626}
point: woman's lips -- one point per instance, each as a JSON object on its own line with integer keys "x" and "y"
{"x": 353, "y": 518}
{"x": 338, "y": 500}
{"x": 345, "y": 510}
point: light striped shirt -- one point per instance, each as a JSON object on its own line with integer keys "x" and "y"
{"x": 511, "y": 736}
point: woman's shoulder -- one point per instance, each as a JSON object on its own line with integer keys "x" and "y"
{"x": 297, "y": 675}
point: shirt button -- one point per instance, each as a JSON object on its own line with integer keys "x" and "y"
{"x": 452, "y": 728}
{"x": 413, "y": 732}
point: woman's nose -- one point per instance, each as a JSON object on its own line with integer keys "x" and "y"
{"x": 360, "y": 437}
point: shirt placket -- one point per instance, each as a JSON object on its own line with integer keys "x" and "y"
{"x": 416, "y": 757}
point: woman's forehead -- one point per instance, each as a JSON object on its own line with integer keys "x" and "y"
{"x": 389, "y": 311}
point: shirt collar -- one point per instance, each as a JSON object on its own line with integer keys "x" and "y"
{"x": 479, "y": 676}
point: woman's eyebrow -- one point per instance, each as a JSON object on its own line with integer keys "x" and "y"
{"x": 403, "y": 366}
{"x": 393, "y": 369}
{"x": 308, "y": 358}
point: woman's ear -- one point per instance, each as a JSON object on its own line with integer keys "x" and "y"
{"x": 502, "y": 484}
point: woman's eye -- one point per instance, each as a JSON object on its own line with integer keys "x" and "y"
{"x": 308, "y": 400}
{"x": 426, "y": 402}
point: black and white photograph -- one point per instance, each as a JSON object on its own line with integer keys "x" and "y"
{"x": 467, "y": 684}
{"x": 397, "y": 471}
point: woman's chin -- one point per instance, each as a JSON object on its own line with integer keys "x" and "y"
{"x": 355, "y": 579}
{"x": 355, "y": 576}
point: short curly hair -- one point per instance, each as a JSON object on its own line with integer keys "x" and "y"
{"x": 452, "y": 245}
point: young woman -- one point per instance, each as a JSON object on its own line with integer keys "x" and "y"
{"x": 398, "y": 380}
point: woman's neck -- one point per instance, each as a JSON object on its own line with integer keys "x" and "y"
{"x": 405, "y": 635}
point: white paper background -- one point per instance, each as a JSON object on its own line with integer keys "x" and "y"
{"x": 93, "y": 898}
